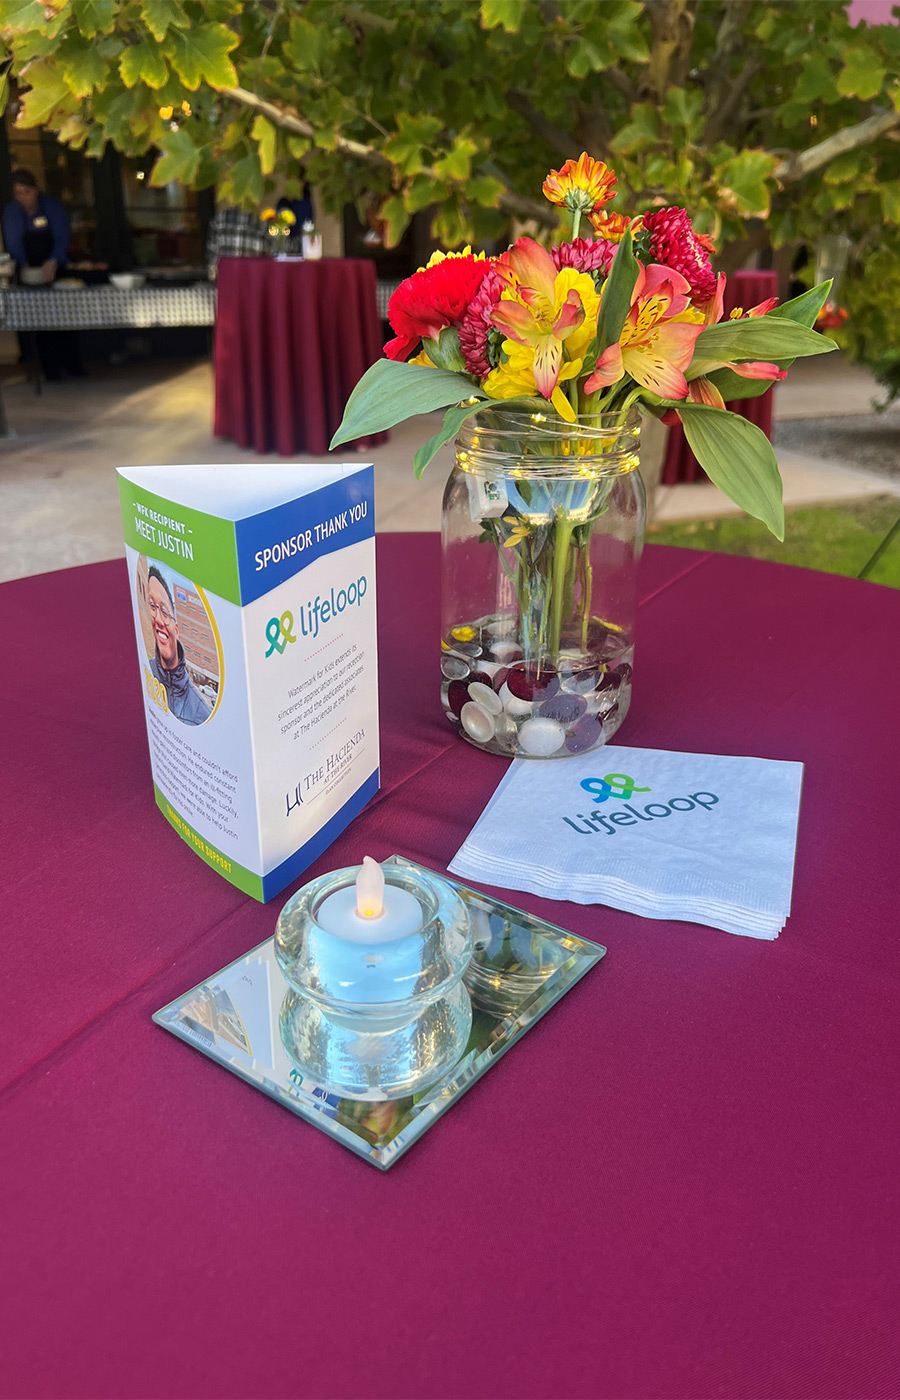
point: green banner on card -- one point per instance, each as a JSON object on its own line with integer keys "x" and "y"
{"x": 200, "y": 546}
{"x": 239, "y": 875}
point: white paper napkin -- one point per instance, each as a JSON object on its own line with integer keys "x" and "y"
{"x": 694, "y": 837}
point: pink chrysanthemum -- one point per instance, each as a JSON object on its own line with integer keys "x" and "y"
{"x": 584, "y": 254}
{"x": 674, "y": 243}
{"x": 476, "y": 324}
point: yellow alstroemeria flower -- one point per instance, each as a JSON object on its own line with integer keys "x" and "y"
{"x": 267, "y": 215}
{"x": 514, "y": 378}
{"x": 541, "y": 310}
{"x": 288, "y": 217}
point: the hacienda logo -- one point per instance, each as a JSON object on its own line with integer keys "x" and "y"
{"x": 621, "y": 786}
{"x": 280, "y": 630}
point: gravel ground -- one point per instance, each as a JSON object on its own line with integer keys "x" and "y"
{"x": 870, "y": 440}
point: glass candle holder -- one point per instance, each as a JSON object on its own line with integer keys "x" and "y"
{"x": 374, "y": 1015}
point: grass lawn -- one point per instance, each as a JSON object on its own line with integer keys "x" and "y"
{"x": 839, "y": 539}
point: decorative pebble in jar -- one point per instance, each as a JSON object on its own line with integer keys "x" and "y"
{"x": 543, "y": 527}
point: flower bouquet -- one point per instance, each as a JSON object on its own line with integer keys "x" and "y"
{"x": 544, "y": 360}
{"x": 279, "y": 223}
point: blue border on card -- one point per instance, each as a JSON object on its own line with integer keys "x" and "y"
{"x": 289, "y": 869}
{"x": 297, "y": 519}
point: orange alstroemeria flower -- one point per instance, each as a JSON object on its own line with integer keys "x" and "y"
{"x": 581, "y": 186}
{"x": 607, "y": 224}
{"x": 655, "y": 347}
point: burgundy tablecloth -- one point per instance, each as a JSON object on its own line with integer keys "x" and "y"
{"x": 744, "y": 289}
{"x": 681, "y": 1183}
{"x": 292, "y": 338}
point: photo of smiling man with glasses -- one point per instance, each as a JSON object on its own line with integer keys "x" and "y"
{"x": 184, "y": 700}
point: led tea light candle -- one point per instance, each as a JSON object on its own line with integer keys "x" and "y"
{"x": 374, "y": 958}
{"x": 370, "y": 911}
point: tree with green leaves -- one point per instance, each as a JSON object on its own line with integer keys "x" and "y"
{"x": 742, "y": 110}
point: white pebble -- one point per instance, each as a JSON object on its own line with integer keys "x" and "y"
{"x": 505, "y": 650}
{"x": 477, "y": 723}
{"x": 512, "y": 704}
{"x": 541, "y": 736}
{"x": 488, "y": 699}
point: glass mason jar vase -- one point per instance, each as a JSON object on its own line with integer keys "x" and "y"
{"x": 543, "y": 527}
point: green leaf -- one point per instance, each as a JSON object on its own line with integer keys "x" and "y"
{"x": 816, "y": 81}
{"x": 759, "y": 338}
{"x": 485, "y": 190}
{"x": 391, "y": 392}
{"x": 298, "y": 146}
{"x": 682, "y": 107}
{"x": 422, "y": 192}
{"x": 95, "y": 17}
{"x": 585, "y": 57}
{"x": 180, "y": 160}
{"x": 739, "y": 458}
{"x": 82, "y": 66}
{"x": 890, "y": 201}
{"x": 457, "y": 164}
{"x": 508, "y": 13}
{"x": 640, "y": 132}
{"x": 265, "y": 135}
{"x": 393, "y": 211}
{"x": 453, "y": 421}
{"x": 22, "y": 16}
{"x": 862, "y": 75}
{"x": 445, "y": 351}
{"x": 47, "y": 92}
{"x": 804, "y": 310}
{"x": 306, "y": 46}
{"x": 201, "y": 54}
{"x": 160, "y": 14}
{"x": 73, "y": 132}
{"x": 246, "y": 181}
{"x": 615, "y": 301}
{"x": 742, "y": 182}
{"x": 143, "y": 62}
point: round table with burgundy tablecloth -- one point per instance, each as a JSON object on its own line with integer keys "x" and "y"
{"x": 744, "y": 290}
{"x": 681, "y": 1183}
{"x": 292, "y": 339}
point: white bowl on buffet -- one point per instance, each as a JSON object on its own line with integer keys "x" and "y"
{"x": 127, "y": 281}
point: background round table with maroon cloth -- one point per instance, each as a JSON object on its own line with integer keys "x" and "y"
{"x": 292, "y": 338}
{"x": 681, "y": 1183}
{"x": 743, "y": 289}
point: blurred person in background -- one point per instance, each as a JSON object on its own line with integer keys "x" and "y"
{"x": 36, "y": 234}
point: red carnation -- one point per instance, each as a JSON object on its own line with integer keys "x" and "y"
{"x": 434, "y": 297}
{"x": 476, "y": 325}
{"x": 585, "y": 255}
{"x": 674, "y": 243}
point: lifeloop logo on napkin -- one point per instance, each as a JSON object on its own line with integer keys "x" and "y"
{"x": 623, "y": 786}
{"x": 698, "y": 837}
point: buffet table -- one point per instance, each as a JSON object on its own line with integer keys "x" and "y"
{"x": 681, "y": 1183}
{"x": 105, "y": 308}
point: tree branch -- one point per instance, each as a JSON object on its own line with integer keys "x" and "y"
{"x": 730, "y": 100}
{"x": 801, "y": 163}
{"x": 291, "y": 121}
{"x": 561, "y": 141}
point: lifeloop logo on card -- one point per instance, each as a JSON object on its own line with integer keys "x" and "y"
{"x": 622, "y": 786}
{"x": 280, "y": 631}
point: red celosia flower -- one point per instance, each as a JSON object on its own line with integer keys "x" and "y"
{"x": 584, "y": 254}
{"x": 477, "y": 325}
{"x": 434, "y": 297}
{"x": 673, "y": 243}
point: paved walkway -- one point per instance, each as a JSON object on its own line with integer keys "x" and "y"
{"x": 59, "y": 503}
